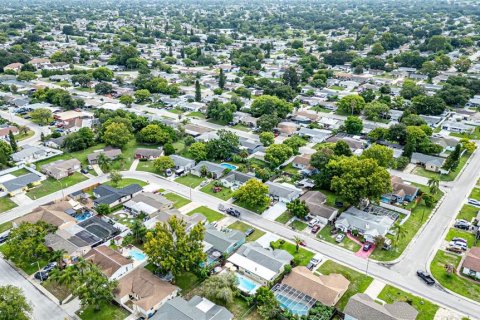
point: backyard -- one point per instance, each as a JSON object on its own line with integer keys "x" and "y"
{"x": 426, "y": 309}
{"x": 358, "y": 281}
{"x": 51, "y": 185}
{"x": 108, "y": 311}
{"x": 301, "y": 257}
{"x": 190, "y": 180}
{"x": 6, "y": 204}
{"x": 240, "y": 226}
{"x": 210, "y": 214}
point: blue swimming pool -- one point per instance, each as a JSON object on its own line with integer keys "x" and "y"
{"x": 228, "y": 166}
{"x": 295, "y": 307}
{"x": 83, "y": 216}
{"x": 247, "y": 285}
{"x": 137, "y": 255}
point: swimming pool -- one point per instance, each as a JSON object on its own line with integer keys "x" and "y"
{"x": 246, "y": 285}
{"x": 228, "y": 166}
{"x": 84, "y": 216}
{"x": 137, "y": 255}
{"x": 294, "y": 307}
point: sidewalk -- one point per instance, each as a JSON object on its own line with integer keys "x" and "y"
{"x": 189, "y": 207}
{"x": 375, "y": 288}
{"x": 134, "y": 165}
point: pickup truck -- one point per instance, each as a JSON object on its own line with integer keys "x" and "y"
{"x": 426, "y": 277}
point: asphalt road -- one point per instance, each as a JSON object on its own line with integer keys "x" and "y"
{"x": 24, "y": 122}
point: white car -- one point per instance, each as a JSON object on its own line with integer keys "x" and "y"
{"x": 313, "y": 222}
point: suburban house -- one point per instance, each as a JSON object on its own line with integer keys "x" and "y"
{"x": 54, "y": 214}
{"x": 140, "y": 291}
{"x": 368, "y": 224}
{"x": 55, "y": 143}
{"x": 148, "y": 154}
{"x": 17, "y": 185}
{"x": 16, "y": 66}
{"x": 148, "y": 203}
{"x": 182, "y": 164}
{"x": 213, "y": 169}
{"x": 356, "y": 144}
{"x": 315, "y": 201}
{"x": 235, "y": 179}
{"x": 61, "y": 168}
{"x": 197, "y": 308}
{"x": 311, "y": 288}
{"x": 447, "y": 143}
{"x": 112, "y": 264}
{"x": 287, "y": 128}
{"x": 4, "y": 132}
{"x": 314, "y": 135}
{"x": 224, "y": 242}
{"x": 401, "y": 191}
{"x": 260, "y": 264}
{"x": 281, "y": 192}
{"x": 302, "y": 162}
{"x": 29, "y": 154}
{"x": 457, "y": 127}
{"x": 111, "y": 154}
{"x": 164, "y": 216}
{"x": 72, "y": 245}
{"x": 471, "y": 263}
{"x": 105, "y": 194}
{"x": 430, "y": 163}
{"x": 362, "y": 307}
{"x": 251, "y": 146}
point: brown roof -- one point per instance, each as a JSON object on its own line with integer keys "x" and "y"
{"x": 400, "y": 188}
{"x": 5, "y": 131}
{"x": 107, "y": 259}
{"x": 147, "y": 289}
{"x": 302, "y": 159}
{"x": 310, "y": 115}
{"x": 315, "y": 201}
{"x": 325, "y": 289}
{"x": 472, "y": 259}
{"x": 53, "y": 214}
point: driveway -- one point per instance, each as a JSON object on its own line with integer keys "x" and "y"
{"x": 360, "y": 253}
{"x": 21, "y": 199}
{"x": 275, "y": 211}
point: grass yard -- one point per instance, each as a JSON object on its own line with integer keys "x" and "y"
{"x": 187, "y": 281}
{"x": 176, "y": 111}
{"x": 20, "y": 172}
{"x": 6, "y": 204}
{"x": 58, "y": 290}
{"x": 300, "y": 258}
{"x": 426, "y": 309}
{"x": 126, "y": 182}
{"x": 284, "y": 217}
{"x": 290, "y": 169}
{"x": 23, "y": 136}
{"x": 475, "y": 194}
{"x": 468, "y": 212}
{"x": 348, "y": 244}
{"x": 452, "y": 281}
{"x": 241, "y": 127}
{"x": 146, "y": 166}
{"x": 457, "y": 233}
{"x": 196, "y": 114}
{"x": 258, "y": 210}
{"x": 241, "y": 226}
{"x": 80, "y": 155}
{"x": 190, "y": 180}
{"x": 5, "y": 226}
{"x": 358, "y": 281}
{"x": 298, "y": 225}
{"x": 224, "y": 194}
{"x": 178, "y": 201}
{"x": 210, "y": 214}
{"x": 443, "y": 177}
{"x": 108, "y": 311}
{"x": 475, "y": 135}
{"x": 51, "y": 185}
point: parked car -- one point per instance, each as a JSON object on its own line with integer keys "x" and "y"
{"x": 461, "y": 245}
{"x": 303, "y": 243}
{"x": 455, "y": 249}
{"x": 49, "y": 267}
{"x": 41, "y": 275}
{"x": 313, "y": 222}
{"x": 233, "y": 212}
{"x": 315, "y": 228}
{"x": 249, "y": 232}
{"x": 3, "y": 238}
{"x": 84, "y": 171}
{"x": 462, "y": 224}
{"x": 310, "y": 266}
{"x": 316, "y": 260}
{"x": 168, "y": 172}
{"x": 426, "y": 277}
{"x": 204, "y": 183}
{"x": 456, "y": 239}
{"x": 367, "y": 246}
{"x": 339, "y": 238}
{"x": 474, "y": 202}
{"x": 221, "y": 207}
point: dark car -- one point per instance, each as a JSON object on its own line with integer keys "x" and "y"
{"x": 367, "y": 246}
{"x": 3, "y": 238}
{"x": 249, "y": 232}
{"x": 462, "y": 225}
{"x": 426, "y": 277}
{"x": 41, "y": 275}
{"x": 84, "y": 171}
{"x": 310, "y": 266}
{"x": 49, "y": 267}
{"x": 233, "y": 212}
{"x": 315, "y": 228}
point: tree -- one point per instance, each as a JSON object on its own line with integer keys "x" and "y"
{"x": 353, "y": 125}
{"x": 223, "y": 147}
{"x": 351, "y": 104}
{"x": 320, "y": 159}
{"x": 115, "y": 177}
{"x": 172, "y": 249}
{"x": 269, "y": 105}
{"x": 142, "y": 95}
{"x": 342, "y": 149}
{"x": 290, "y": 78}
{"x": 13, "y": 304}
{"x": 357, "y": 179}
{"x": 103, "y": 88}
{"x": 26, "y": 76}
{"x": 453, "y": 95}
{"x": 430, "y": 69}
{"x": 82, "y": 79}
{"x": 267, "y": 138}
{"x": 267, "y": 122}
{"x": 117, "y": 135}
{"x": 453, "y": 158}
{"x": 161, "y": 164}
{"x": 428, "y": 105}
{"x": 80, "y": 140}
{"x": 400, "y": 232}
{"x": 277, "y": 154}
{"x": 221, "y": 287}
{"x": 377, "y": 49}
{"x": 383, "y": 155}
{"x": 253, "y": 193}
{"x": 376, "y": 110}
{"x": 378, "y": 133}
{"x": 463, "y": 64}
{"x": 468, "y": 145}
{"x": 434, "y": 185}
{"x": 103, "y": 209}
{"x": 102, "y": 74}
{"x": 295, "y": 142}
{"x": 198, "y": 151}
{"x": 154, "y": 133}
{"x": 42, "y": 116}
{"x": 13, "y": 143}
{"x": 297, "y": 241}
{"x": 127, "y": 100}
{"x": 298, "y": 208}
{"x": 368, "y": 95}
{"x": 221, "y": 79}
{"x": 267, "y": 303}
{"x": 198, "y": 91}
{"x": 221, "y": 111}
{"x": 410, "y": 89}
{"x": 139, "y": 231}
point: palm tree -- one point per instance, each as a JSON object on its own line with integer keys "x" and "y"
{"x": 23, "y": 129}
{"x": 66, "y": 277}
{"x": 104, "y": 162}
{"x": 400, "y": 231}
{"x": 297, "y": 241}
{"x": 434, "y": 185}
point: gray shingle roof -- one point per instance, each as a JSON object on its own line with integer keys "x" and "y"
{"x": 221, "y": 241}
{"x": 362, "y": 307}
{"x": 20, "y": 182}
{"x": 198, "y": 308}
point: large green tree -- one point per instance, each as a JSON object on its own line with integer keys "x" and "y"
{"x": 117, "y": 135}
{"x": 163, "y": 163}
{"x": 383, "y": 155}
{"x": 253, "y": 193}
{"x": 351, "y": 104}
{"x": 276, "y": 154}
{"x": 13, "y": 304}
{"x": 269, "y": 105}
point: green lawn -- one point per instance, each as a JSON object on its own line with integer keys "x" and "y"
{"x": 126, "y": 182}
{"x": 178, "y": 201}
{"x": 255, "y": 209}
{"x": 348, "y": 244}
{"x": 210, "y": 214}
{"x": 241, "y": 127}
{"x": 107, "y": 312}
{"x": 290, "y": 169}
{"x": 23, "y": 136}
{"x": 284, "y": 217}
{"x": 196, "y": 114}
{"x": 187, "y": 281}
{"x": 358, "y": 281}
{"x": 452, "y": 281}
{"x": 190, "y": 180}
{"x": 224, "y": 194}
{"x": 80, "y": 155}
{"x": 5, "y": 226}
{"x": 468, "y": 212}
{"x": 241, "y": 226}
{"x": 475, "y": 194}
{"x": 475, "y": 135}
{"x": 298, "y": 225}
{"x": 176, "y": 111}
{"x": 51, "y": 185}
{"x": 426, "y": 309}
{"x": 6, "y": 204}
{"x": 146, "y": 166}
{"x": 334, "y": 87}
{"x": 300, "y": 258}
{"x": 457, "y": 233}
{"x": 20, "y": 172}
{"x": 443, "y": 177}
